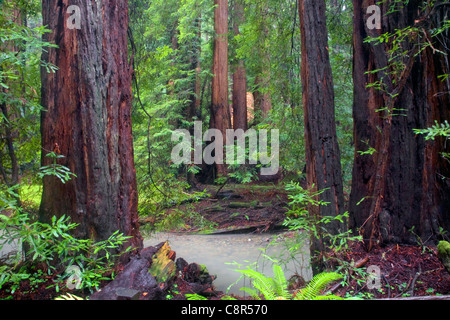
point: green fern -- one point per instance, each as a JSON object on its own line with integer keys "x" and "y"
{"x": 313, "y": 290}
{"x": 280, "y": 282}
{"x": 265, "y": 285}
{"x": 276, "y": 288}
{"x": 69, "y": 296}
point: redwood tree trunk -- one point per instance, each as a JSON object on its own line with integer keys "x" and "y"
{"x": 220, "y": 113}
{"x": 323, "y": 167}
{"x": 403, "y": 186}
{"x": 240, "y": 120}
{"x": 88, "y": 119}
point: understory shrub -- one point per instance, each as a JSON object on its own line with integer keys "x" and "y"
{"x": 50, "y": 250}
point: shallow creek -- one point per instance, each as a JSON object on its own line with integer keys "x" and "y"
{"x": 216, "y": 252}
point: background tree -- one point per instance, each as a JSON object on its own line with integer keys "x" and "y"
{"x": 220, "y": 112}
{"x": 262, "y": 93}
{"x": 323, "y": 166}
{"x": 240, "y": 119}
{"x": 87, "y": 119}
{"x": 400, "y": 183}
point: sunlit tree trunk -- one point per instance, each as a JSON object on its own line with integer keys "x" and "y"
{"x": 239, "y": 78}
{"x": 220, "y": 114}
{"x": 87, "y": 119}
{"x": 323, "y": 160}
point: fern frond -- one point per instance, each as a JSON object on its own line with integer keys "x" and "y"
{"x": 252, "y": 292}
{"x": 280, "y": 282}
{"x": 195, "y": 296}
{"x": 69, "y": 296}
{"x": 329, "y": 297}
{"x": 318, "y": 283}
{"x": 260, "y": 282}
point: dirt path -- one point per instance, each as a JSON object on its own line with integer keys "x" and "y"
{"x": 236, "y": 208}
{"x": 216, "y": 252}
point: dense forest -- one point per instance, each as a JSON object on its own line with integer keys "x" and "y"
{"x": 322, "y": 122}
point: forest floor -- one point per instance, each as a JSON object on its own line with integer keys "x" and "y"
{"x": 233, "y": 209}
{"x": 405, "y": 270}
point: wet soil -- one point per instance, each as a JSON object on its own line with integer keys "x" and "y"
{"x": 253, "y": 209}
{"x": 233, "y": 209}
{"x": 406, "y": 271}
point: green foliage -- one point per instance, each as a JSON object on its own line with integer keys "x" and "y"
{"x": 21, "y": 37}
{"x": 202, "y": 298}
{"x": 69, "y": 296}
{"x": 7, "y": 197}
{"x": 165, "y": 46}
{"x": 404, "y": 45}
{"x": 276, "y": 288}
{"x": 298, "y": 217}
{"x": 317, "y": 285}
{"x": 195, "y": 297}
{"x": 61, "y": 172}
{"x": 171, "y": 39}
{"x": 52, "y": 245}
{"x": 437, "y": 130}
{"x": 270, "y": 288}
{"x": 49, "y": 249}
{"x": 443, "y": 249}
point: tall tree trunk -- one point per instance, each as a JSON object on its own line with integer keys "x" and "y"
{"x": 397, "y": 188}
{"x": 220, "y": 114}
{"x": 263, "y": 97}
{"x": 240, "y": 120}
{"x": 194, "y": 109}
{"x": 322, "y": 150}
{"x": 88, "y": 120}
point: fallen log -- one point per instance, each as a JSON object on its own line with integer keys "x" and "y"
{"x": 134, "y": 282}
{"x": 253, "y": 204}
{"x": 150, "y": 274}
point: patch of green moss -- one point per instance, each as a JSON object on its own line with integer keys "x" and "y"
{"x": 444, "y": 253}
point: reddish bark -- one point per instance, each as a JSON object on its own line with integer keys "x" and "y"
{"x": 220, "y": 113}
{"x": 398, "y": 187}
{"x": 239, "y": 78}
{"x": 323, "y": 168}
{"x": 88, "y": 115}
{"x": 322, "y": 150}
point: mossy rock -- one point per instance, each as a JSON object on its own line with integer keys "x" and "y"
{"x": 163, "y": 268}
{"x": 444, "y": 253}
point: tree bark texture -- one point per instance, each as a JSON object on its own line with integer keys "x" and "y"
{"x": 240, "y": 120}
{"x": 403, "y": 186}
{"x": 220, "y": 113}
{"x": 87, "y": 119}
{"x": 322, "y": 149}
{"x": 323, "y": 167}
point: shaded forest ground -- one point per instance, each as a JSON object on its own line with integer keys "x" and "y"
{"x": 234, "y": 208}
{"x": 406, "y": 270}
